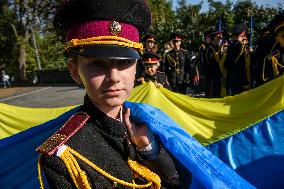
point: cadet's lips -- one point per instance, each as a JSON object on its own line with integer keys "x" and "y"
{"x": 112, "y": 92}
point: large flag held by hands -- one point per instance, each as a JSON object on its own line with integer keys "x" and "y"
{"x": 246, "y": 132}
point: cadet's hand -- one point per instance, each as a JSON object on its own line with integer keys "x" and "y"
{"x": 140, "y": 135}
{"x": 159, "y": 85}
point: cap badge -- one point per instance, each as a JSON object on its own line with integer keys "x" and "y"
{"x": 115, "y": 28}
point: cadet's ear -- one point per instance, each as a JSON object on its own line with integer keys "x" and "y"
{"x": 73, "y": 69}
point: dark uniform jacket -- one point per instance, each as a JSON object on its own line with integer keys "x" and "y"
{"x": 263, "y": 48}
{"x": 103, "y": 141}
{"x": 235, "y": 64}
{"x": 270, "y": 72}
{"x": 177, "y": 66}
{"x": 159, "y": 77}
{"x": 211, "y": 66}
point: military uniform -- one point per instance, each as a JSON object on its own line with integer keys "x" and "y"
{"x": 177, "y": 69}
{"x": 152, "y": 59}
{"x": 177, "y": 66}
{"x": 149, "y": 37}
{"x": 159, "y": 77}
{"x": 273, "y": 62}
{"x": 237, "y": 64}
{"x": 263, "y": 47}
{"x": 273, "y": 65}
{"x": 92, "y": 149}
{"x": 103, "y": 141}
{"x": 213, "y": 73}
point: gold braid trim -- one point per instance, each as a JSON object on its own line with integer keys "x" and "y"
{"x": 274, "y": 63}
{"x": 39, "y": 172}
{"x": 216, "y": 54}
{"x": 248, "y": 63}
{"x": 145, "y": 173}
{"x": 242, "y": 50}
{"x": 173, "y": 63}
{"x": 104, "y": 40}
{"x": 171, "y": 60}
{"x": 81, "y": 181}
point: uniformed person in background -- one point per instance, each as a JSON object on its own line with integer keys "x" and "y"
{"x": 149, "y": 40}
{"x": 237, "y": 63}
{"x": 151, "y": 64}
{"x": 261, "y": 50}
{"x": 99, "y": 147}
{"x": 273, "y": 63}
{"x": 177, "y": 65}
{"x": 212, "y": 69}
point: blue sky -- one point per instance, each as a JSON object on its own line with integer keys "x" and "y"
{"x": 272, "y": 3}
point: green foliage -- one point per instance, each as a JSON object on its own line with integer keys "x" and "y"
{"x": 163, "y": 20}
{"x": 261, "y": 15}
{"x": 51, "y": 51}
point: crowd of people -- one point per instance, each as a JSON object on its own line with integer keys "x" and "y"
{"x": 220, "y": 67}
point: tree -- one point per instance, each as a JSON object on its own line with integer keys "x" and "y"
{"x": 30, "y": 16}
{"x": 261, "y": 15}
{"x": 188, "y": 17}
{"x": 7, "y": 44}
{"x": 164, "y": 21}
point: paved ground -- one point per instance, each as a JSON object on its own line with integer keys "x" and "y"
{"x": 48, "y": 96}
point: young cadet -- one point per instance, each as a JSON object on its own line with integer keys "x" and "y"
{"x": 151, "y": 73}
{"x": 149, "y": 40}
{"x": 99, "y": 147}
{"x": 177, "y": 65}
{"x": 273, "y": 63}
{"x": 212, "y": 58}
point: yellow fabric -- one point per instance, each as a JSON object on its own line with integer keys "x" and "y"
{"x": 14, "y": 119}
{"x": 208, "y": 120}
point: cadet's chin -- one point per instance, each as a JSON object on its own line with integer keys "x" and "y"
{"x": 115, "y": 101}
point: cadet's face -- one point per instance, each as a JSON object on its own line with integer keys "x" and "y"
{"x": 150, "y": 44}
{"x": 280, "y": 38}
{"x": 152, "y": 69}
{"x": 108, "y": 82}
{"x": 177, "y": 44}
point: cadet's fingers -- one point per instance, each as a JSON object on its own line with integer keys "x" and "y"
{"x": 127, "y": 122}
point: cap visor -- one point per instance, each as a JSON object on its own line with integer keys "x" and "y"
{"x": 109, "y": 51}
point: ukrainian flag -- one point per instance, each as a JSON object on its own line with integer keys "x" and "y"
{"x": 239, "y": 139}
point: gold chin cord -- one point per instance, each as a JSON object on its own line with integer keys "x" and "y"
{"x": 81, "y": 180}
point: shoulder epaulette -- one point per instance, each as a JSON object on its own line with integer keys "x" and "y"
{"x": 71, "y": 126}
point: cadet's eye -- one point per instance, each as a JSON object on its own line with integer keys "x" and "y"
{"x": 124, "y": 63}
{"x": 97, "y": 64}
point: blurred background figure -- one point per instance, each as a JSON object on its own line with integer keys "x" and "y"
{"x": 213, "y": 72}
{"x": 177, "y": 65}
{"x": 5, "y": 79}
{"x": 237, "y": 63}
{"x": 273, "y": 63}
{"x": 151, "y": 64}
{"x": 149, "y": 40}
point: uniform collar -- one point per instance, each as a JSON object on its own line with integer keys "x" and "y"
{"x": 107, "y": 124}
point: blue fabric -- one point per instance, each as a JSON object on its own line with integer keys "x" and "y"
{"x": 209, "y": 172}
{"x": 256, "y": 153}
{"x": 20, "y": 159}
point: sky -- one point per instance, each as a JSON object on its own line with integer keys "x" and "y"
{"x": 205, "y": 7}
